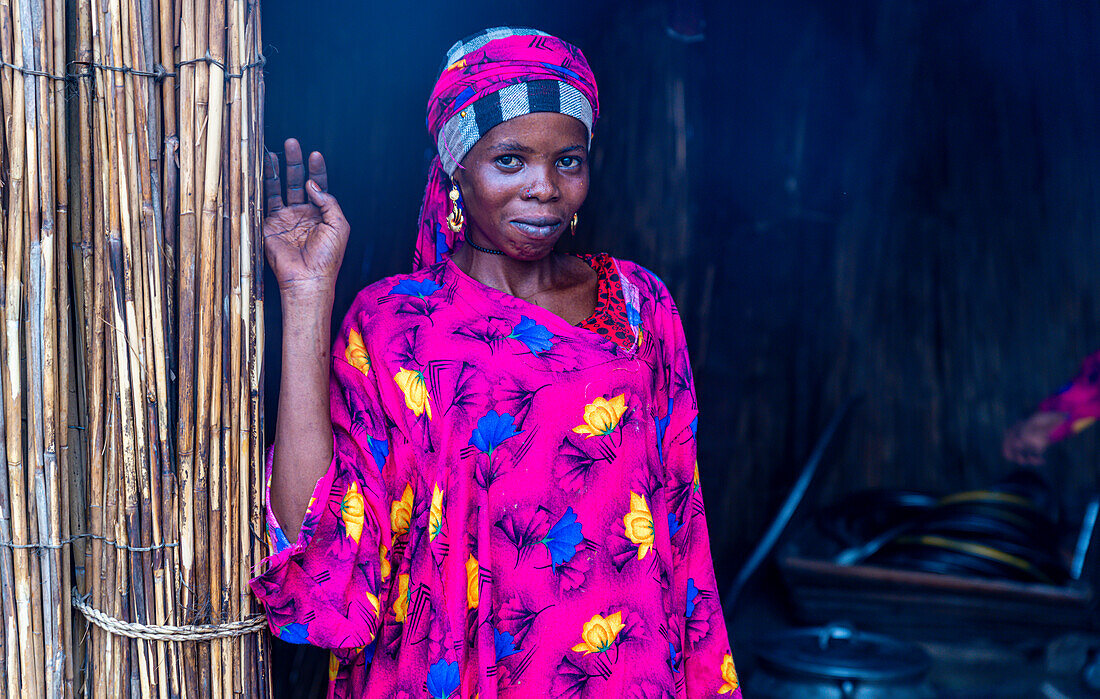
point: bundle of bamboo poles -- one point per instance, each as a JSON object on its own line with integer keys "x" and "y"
{"x": 131, "y": 308}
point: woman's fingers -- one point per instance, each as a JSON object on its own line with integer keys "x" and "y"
{"x": 271, "y": 183}
{"x": 1025, "y": 442}
{"x": 331, "y": 212}
{"x": 1015, "y": 445}
{"x": 295, "y": 173}
{"x": 296, "y": 176}
{"x": 317, "y": 171}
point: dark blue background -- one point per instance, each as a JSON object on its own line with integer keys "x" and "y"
{"x": 890, "y": 197}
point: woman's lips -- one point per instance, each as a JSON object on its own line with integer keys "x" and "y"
{"x": 542, "y": 227}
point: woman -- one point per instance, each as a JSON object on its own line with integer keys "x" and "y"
{"x": 1069, "y": 411}
{"x": 501, "y": 451}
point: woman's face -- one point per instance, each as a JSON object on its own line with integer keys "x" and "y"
{"x": 522, "y": 183}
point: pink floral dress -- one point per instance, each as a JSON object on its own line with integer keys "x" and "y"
{"x": 513, "y": 508}
{"x": 1079, "y": 400}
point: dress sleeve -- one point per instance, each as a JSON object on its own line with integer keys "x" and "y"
{"x": 707, "y": 662}
{"x": 1079, "y": 400}
{"x": 325, "y": 589}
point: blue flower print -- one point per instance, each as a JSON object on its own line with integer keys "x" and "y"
{"x": 563, "y": 538}
{"x": 463, "y": 97}
{"x": 281, "y": 542}
{"x": 673, "y": 657}
{"x": 662, "y": 425}
{"x": 673, "y": 525}
{"x": 492, "y": 429}
{"x": 535, "y": 336}
{"x": 441, "y": 248}
{"x": 379, "y": 449}
{"x": 563, "y": 70}
{"x": 418, "y": 289}
{"x": 692, "y": 594}
{"x": 442, "y": 679}
{"x": 632, "y": 315}
{"x": 504, "y": 643}
{"x": 294, "y": 633}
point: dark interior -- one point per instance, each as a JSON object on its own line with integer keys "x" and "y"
{"x": 894, "y": 200}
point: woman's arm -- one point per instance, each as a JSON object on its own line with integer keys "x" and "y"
{"x": 303, "y": 431}
{"x": 304, "y": 238}
{"x": 1027, "y": 440}
{"x": 1067, "y": 412}
{"x": 703, "y": 654}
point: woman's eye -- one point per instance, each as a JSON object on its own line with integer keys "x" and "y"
{"x": 569, "y": 162}
{"x": 508, "y": 161}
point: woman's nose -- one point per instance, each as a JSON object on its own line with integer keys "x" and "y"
{"x": 541, "y": 187}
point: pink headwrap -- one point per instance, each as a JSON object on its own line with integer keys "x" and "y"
{"x": 491, "y": 77}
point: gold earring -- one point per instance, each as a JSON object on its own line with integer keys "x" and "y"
{"x": 455, "y": 220}
{"x": 573, "y": 225}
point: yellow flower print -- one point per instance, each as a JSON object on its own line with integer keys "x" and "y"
{"x": 473, "y": 578}
{"x": 384, "y": 561}
{"x": 599, "y": 633}
{"x": 695, "y": 478}
{"x": 356, "y": 352}
{"x": 639, "y": 524}
{"x": 729, "y": 674}
{"x": 602, "y": 416}
{"x": 333, "y": 666}
{"x": 401, "y": 513}
{"x": 374, "y": 603}
{"x": 401, "y": 604}
{"x": 416, "y": 392}
{"x": 435, "y": 515}
{"x": 1081, "y": 424}
{"x": 352, "y": 512}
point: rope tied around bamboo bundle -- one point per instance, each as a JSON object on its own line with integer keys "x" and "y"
{"x": 158, "y": 74}
{"x": 48, "y": 545}
{"x": 157, "y": 632}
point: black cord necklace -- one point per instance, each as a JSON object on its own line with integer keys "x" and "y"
{"x": 490, "y": 251}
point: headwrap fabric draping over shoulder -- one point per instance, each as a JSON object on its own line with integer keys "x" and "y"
{"x": 488, "y": 78}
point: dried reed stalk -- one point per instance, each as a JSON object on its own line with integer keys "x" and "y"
{"x": 30, "y": 654}
{"x": 12, "y": 621}
{"x": 131, "y": 340}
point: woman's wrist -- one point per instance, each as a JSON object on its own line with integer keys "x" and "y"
{"x": 313, "y": 294}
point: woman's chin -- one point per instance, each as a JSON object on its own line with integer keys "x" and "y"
{"x": 529, "y": 250}
{"x": 530, "y": 244}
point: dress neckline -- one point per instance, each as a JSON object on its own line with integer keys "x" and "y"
{"x": 461, "y": 274}
{"x": 537, "y": 312}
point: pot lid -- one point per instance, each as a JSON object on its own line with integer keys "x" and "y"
{"x": 838, "y": 652}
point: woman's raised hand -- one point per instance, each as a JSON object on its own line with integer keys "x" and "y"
{"x": 305, "y": 234}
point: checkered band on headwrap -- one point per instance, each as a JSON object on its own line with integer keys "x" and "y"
{"x": 464, "y": 129}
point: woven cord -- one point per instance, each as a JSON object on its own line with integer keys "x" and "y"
{"x": 157, "y": 75}
{"x": 65, "y": 542}
{"x": 148, "y": 632}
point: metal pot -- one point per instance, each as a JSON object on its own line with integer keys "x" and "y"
{"x": 837, "y": 662}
